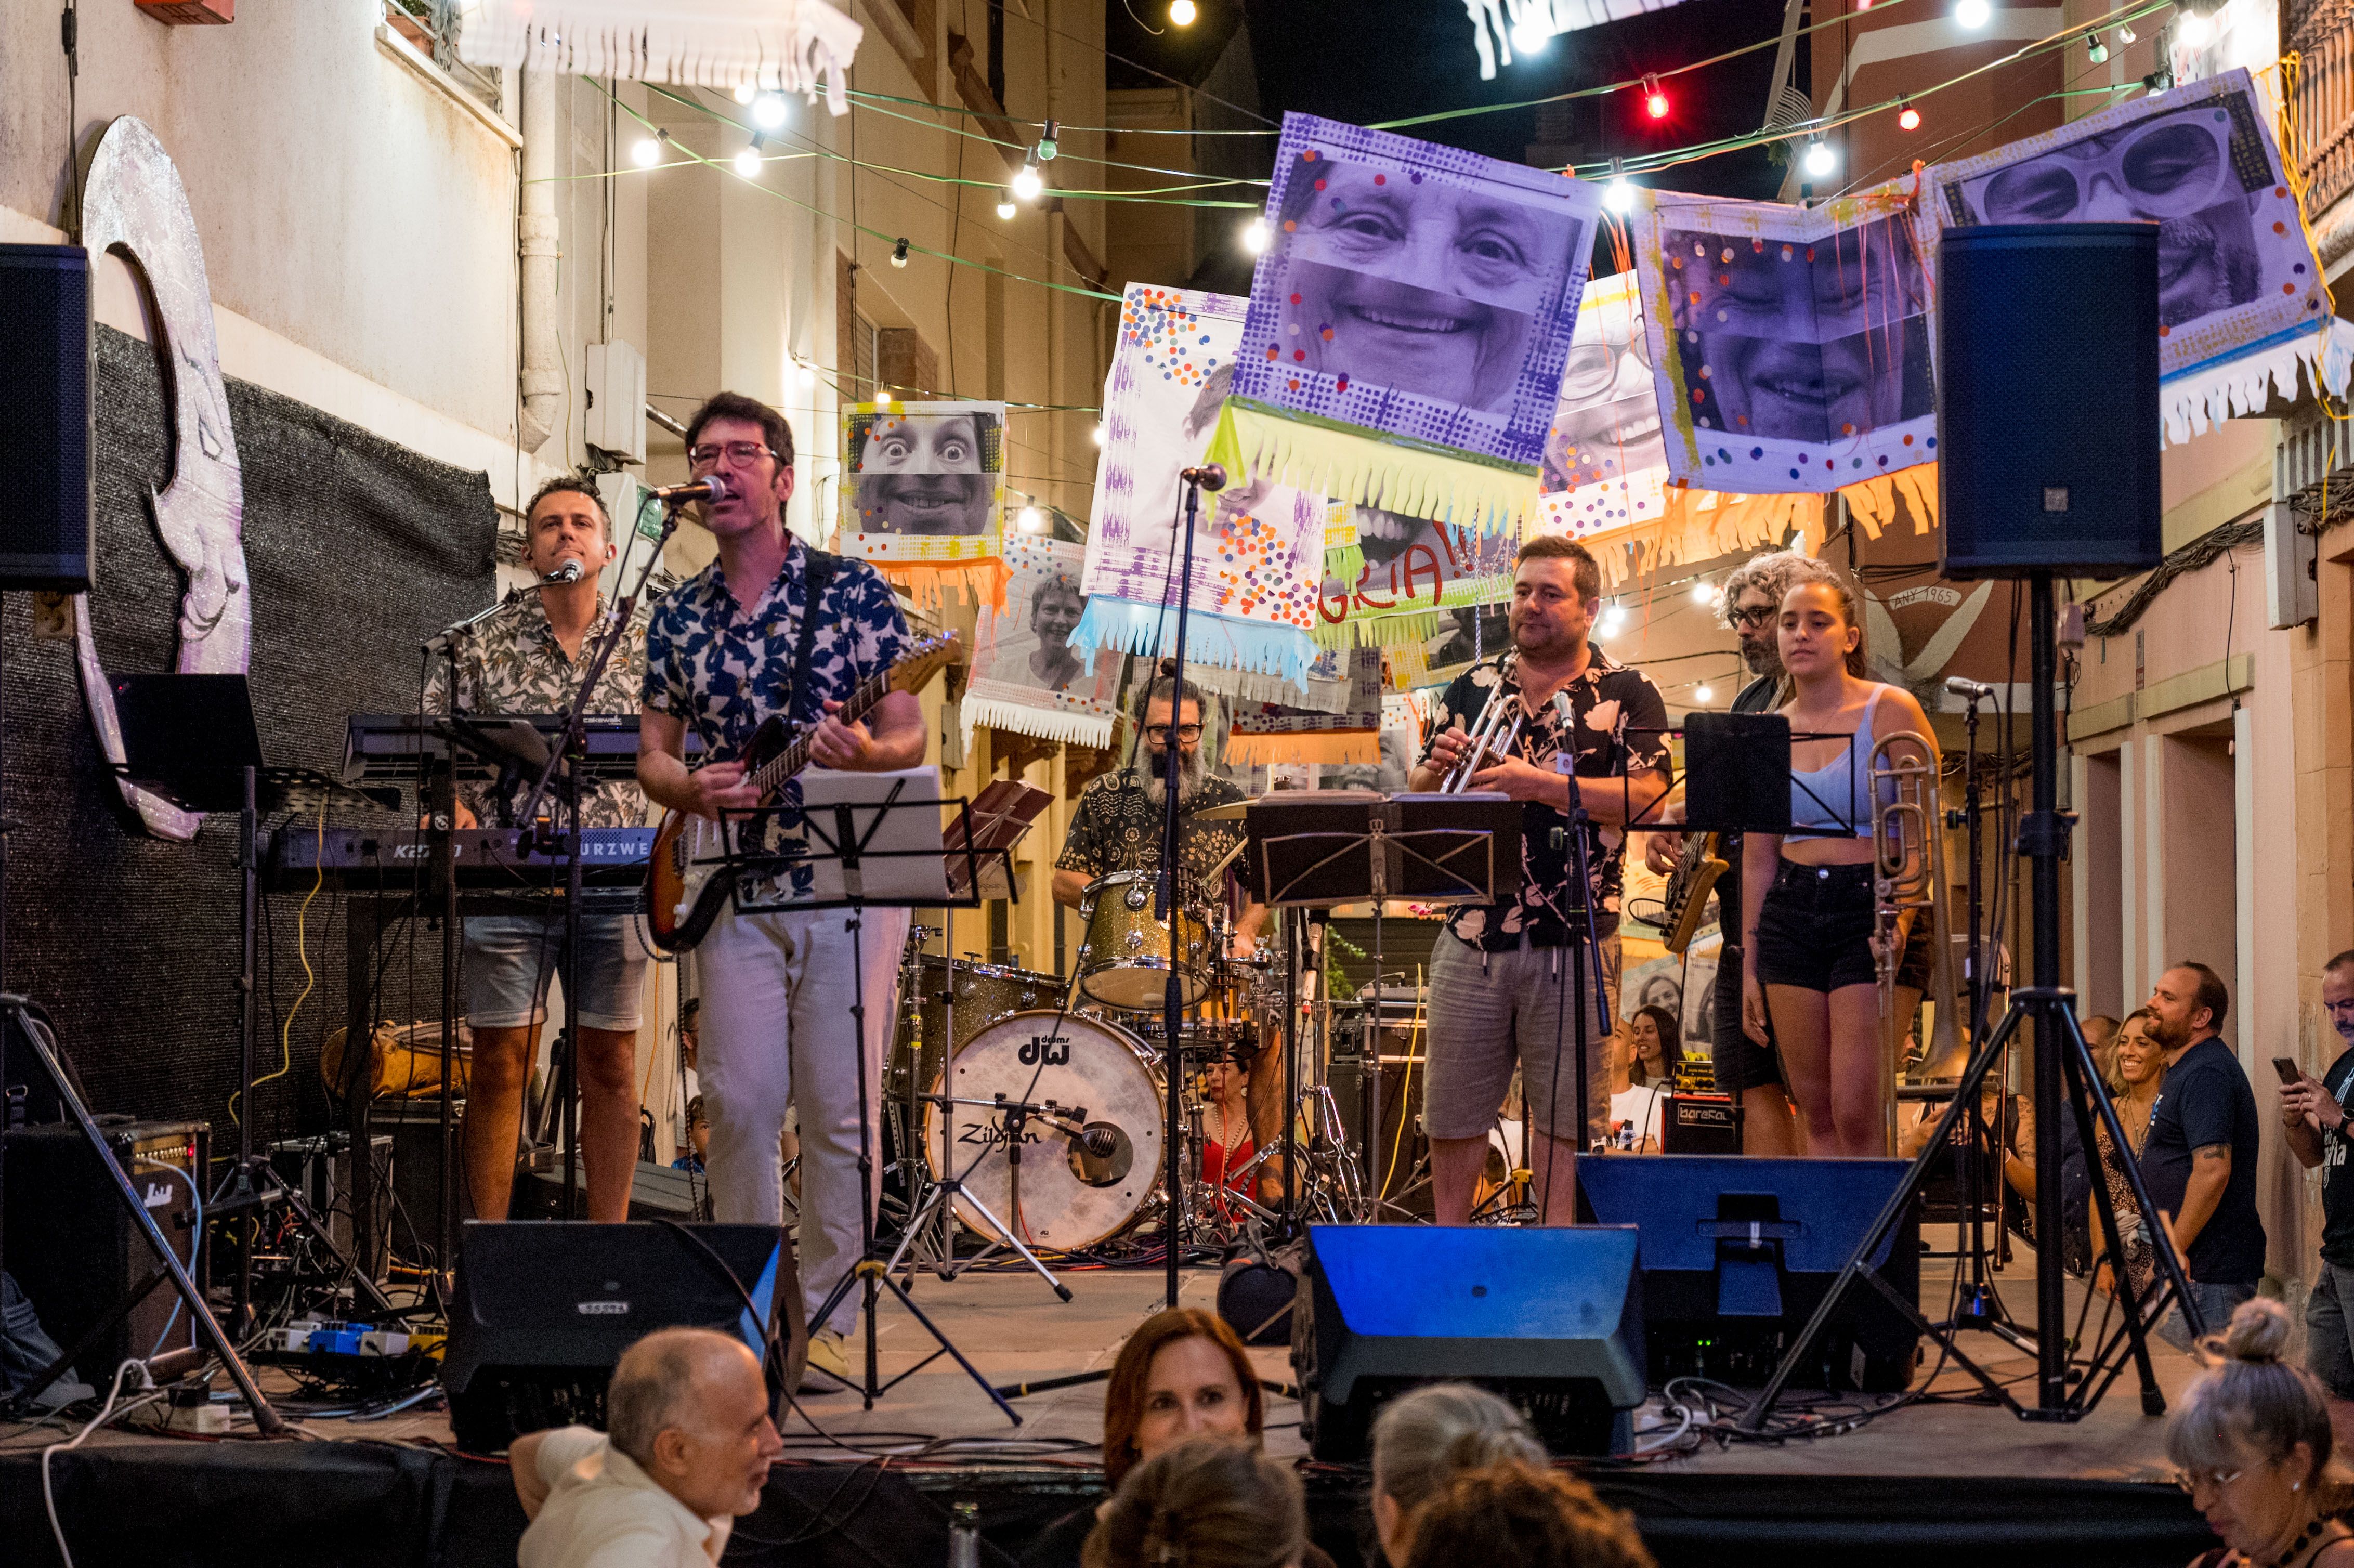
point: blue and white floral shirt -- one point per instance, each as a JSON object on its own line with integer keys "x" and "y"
{"x": 722, "y": 670}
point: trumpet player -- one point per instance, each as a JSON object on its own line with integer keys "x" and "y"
{"x": 1498, "y": 973}
{"x": 1812, "y": 934}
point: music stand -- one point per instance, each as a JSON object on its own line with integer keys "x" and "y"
{"x": 1315, "y": 849}
{"x": 874, "y": 842}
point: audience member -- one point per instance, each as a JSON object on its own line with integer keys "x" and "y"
{"x": 1511, "y": 1515}
{"x": 1184, "y": 1373}
{"x": 2250, "y": 1441}
{"x": 2137, "y": 1066}
{"x": 2199, "y": 1160}
{"x": 1208, "y": 1503}
{"x": 1424, "y": 1439}
{"x": 687, "y": 1448}
{"x": 2313, "y": 1112}
{"x": 1636, "y": 1108}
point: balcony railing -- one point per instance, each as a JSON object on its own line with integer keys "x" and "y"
{"x": 432, "y": 29}
{"x": 2322, "y": 32}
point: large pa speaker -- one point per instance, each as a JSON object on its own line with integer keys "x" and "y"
{"x": 2047, "y": 412}
{"x": 1736, "y": 1254}
{"x": 542, "y": 1311}
{"x": 46, "y": 434}
{"x": 1552, "y": 1319}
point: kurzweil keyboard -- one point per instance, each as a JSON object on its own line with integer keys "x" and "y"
{"x": 385, "y": 747}
{"x": 487, "y": 859}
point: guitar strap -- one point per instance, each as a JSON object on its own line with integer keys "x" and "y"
{"x": 816, "y": 576}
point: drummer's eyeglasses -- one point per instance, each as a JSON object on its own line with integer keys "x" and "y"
{"x": 1742, "y": 620}
{"x": 1184, "y": 732}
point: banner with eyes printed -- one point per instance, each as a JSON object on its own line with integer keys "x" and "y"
{"x": 923, "y": 494}
{"x": 1408, "y": 324}
{"x": 2235, "y": 271}
{"x": 1790, "y": 348}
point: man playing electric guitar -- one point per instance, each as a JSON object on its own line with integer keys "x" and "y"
{"x": 736, "y": 644}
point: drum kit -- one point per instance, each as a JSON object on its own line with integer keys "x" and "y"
{"x": 1039, "y": 1103}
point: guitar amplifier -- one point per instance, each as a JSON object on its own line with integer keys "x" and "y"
{"x": 1701, "y": 1123}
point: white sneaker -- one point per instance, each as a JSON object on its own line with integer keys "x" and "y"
{"x": 827, "y": 1367}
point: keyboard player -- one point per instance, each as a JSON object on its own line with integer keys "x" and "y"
{"x": 528, "y": 658}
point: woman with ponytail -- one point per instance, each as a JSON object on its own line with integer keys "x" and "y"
{"x": 1209, "y": 1503}
{"x": 2250, "y": 1441}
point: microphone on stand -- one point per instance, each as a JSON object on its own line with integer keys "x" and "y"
{"x": 569, "y": 572}
{"x": 1209, "y": 476}
{"x": 711, "y": 487}
{"x": 1976, "y": 691}
{"x": 448, "y": 634}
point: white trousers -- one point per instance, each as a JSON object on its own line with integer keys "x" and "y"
{"x": 777, "y": 1031}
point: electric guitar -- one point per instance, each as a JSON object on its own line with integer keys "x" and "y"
{"x": 684, "y": 890}
{"x": 1685, "y": 899}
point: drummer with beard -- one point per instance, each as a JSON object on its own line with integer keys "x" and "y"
{"x": 1117, "y": 827}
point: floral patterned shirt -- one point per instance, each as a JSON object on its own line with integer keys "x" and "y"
{"x": 1117, "y": 828}
{"x": 723, "y": 669}
{"x": 1617, "y": 720}
{"x": 512, "y": 663}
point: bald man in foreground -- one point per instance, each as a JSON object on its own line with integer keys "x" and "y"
{"x": 687, "y": 1449}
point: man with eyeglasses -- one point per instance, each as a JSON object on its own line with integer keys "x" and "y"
{"x": 773, "y": 627}
{"x": 2313, "y": 1115}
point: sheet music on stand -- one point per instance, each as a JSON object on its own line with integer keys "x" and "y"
{"x": 872, "y": 838}
{"x": 1317, "y": 848}
{"x": 999, "y": 817}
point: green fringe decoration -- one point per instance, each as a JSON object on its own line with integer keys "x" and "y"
{"x": 1366, "y": 467}
{"x": 1377, "y": 630}
{"x": 1344, "y": 566}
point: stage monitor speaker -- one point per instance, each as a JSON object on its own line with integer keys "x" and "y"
{"x": 544, "y": 1310}
{"x": 1552, "y": 1319}
{"x": 2047, "y": 404}
{"x": 1738, "y": 1253}
{"x": 76, "y": 1252}
{"x": 48, "y": 437}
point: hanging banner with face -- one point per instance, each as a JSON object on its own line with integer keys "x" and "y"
{"x": 1790, "y": 347}
{"x": 1257, "y": 545}
{"x": 2235, "y": 273}
{"x": 1605, "y": 459}
{"x": 1410, "y": 570}
{"x": 1408, "y": 324}
{"x": 923, "y": 494}
{"x": 1026, "y": 676}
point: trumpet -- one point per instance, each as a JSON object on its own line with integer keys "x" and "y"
{"x": 1498, "y": 731}
{"x": 1908, "y": 872}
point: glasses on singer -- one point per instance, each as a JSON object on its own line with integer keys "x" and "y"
{"x": 740, "y": 454}
{"x": 1184, "y": 732}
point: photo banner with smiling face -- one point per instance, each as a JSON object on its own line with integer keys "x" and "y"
{"x": 2236, "y": 271}
{"x": 1408, "y": 324}
{"x": 923, "y": 495}
{"x": 1790, "y": 348}
{"x": 1258, "y": 546}
{"x": 1026, "y": 677}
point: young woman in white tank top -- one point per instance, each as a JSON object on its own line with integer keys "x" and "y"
{"x": 1808, "y": 946}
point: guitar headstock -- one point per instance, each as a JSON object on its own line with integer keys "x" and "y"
{"x": 925, "y": 658}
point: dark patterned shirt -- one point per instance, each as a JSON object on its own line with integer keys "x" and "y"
{"x": 512, "y": 663}
{"x": 1117, "y": 828}
{"x": 722, "y": 670}
{"x": 1607, "y": 703}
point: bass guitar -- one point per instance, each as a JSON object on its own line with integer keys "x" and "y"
{"x": 1685, "y": 899}
{"x": 684, "y": 889}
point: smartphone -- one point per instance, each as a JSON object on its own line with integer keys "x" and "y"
{"x": 2289, "y": 1072}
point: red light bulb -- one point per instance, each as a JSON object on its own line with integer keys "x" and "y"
{"x": 1908, "y": 118}
{"x": 1655, "y": 98}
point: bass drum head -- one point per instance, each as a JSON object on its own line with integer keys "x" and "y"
{"x": 1071, "y": 1199}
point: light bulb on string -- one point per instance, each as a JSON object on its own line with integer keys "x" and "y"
{"x": 747, "y": 162}
{"x": 2095, "y": 51}
{"x": 1255, "y": 236}
{"x": 1703, "y": 591}
{"x": 1102, "y": 436}
{"x": 769, "y": 110}
{"x": 1655, "y": 98}
{"x": 1006, "y": 209}
{"x": 1030, "y": 520}
{"x": 2192, "y": 28}
{"x": 1704, "y": 694}
{"x": 805, "y": 373}
{"x": 1820, "y": 160}
{"x": 746, "y": 91}
{"x": 1027, "y": 181}
{"x": 1973, "y": 14}
{"x": 1049, "y": 141}
{"x": 899, "y": 254}
{"x": 1620, "y": 194}
{"x": 1182, "y": 13}
{"x": 1907, "y": 117}
{"x": 649, "y": 149}
{"x": 2126, "y": 36}
{"x": 1530, "y": 35}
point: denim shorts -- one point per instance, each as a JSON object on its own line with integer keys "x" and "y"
{"x": 510, "y": 959}
{"x": 1815, "y": 931}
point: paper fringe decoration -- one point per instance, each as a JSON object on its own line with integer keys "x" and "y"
{"x": 2197, "y": 400}
{"x": 928, "y": 582}
{"x": 1379, "y": 630}
{"x": 1363, "y": 470}
{"x": 1332, "y": 748}
{"x": 995, "y": 704}
{"x": 786, "y": 45}
{"x": 1129, "y": 627}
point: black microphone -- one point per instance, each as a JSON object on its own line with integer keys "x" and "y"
{"x": 1961, "y": 686}
{"x": 711, "y": 487}
{"x": 1209, "y": 476}
{"x": 1102, "y": 1142}
{"x": 569, "y": 572}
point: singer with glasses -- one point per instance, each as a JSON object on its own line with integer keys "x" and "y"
{"x": 1500, "y": 992}
{"x": 527, "y": 657}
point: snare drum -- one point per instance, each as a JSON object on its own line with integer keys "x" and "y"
{"x": 1070, "y": 1198}
{"x": 1124, "y": 963}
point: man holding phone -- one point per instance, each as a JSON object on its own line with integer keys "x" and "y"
{"x": 2313, "y": 1113}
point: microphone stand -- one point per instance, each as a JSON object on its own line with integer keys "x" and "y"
{"x": 1172, "y": 1003}
{"x": 570, "y": 753}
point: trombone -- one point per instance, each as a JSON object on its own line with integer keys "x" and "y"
{"x": 1498, "y": 731}
{"x": 1908, "y": 872}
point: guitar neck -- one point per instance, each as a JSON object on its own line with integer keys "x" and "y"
{"x": 795, "y": 757}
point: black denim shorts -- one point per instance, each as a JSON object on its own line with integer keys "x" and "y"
{"x": 1815, "y": 931}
